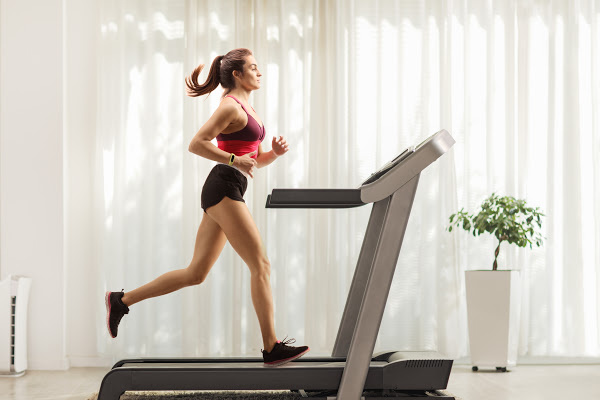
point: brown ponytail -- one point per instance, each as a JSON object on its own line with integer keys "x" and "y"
{"x": 194, "y": 89}
{"x": 221, "y": 72}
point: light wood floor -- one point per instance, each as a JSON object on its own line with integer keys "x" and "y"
{"x": 529, "y": 382}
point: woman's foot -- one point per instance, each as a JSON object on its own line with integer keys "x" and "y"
{"x": 282, "y": 353}
{"x": 115, "y": 309}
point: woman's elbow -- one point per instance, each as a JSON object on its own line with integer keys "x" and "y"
{"x": 194, "y": 147}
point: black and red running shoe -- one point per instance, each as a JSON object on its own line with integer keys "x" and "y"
{"x": 115, "y": 309}
{"x": 283, "y": 354}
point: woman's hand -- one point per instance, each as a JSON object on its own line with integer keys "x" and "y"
{"x": 246, "y": 163}
{"x": 280, "y": 146}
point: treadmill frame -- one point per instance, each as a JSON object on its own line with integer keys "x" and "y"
{"x": 368, "y": 293}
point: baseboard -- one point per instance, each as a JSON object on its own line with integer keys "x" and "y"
{"x": 49, "y": 365}
{"x": 543, "y": 360}
{"x": 557, "y": 360}
{"x": 85, "y": 361}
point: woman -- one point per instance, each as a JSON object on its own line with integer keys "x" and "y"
{"x": 239, "y": 134}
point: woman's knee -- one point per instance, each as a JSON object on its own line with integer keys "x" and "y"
{"x": 196, "y": 274}
{"x": 261, "y": 266}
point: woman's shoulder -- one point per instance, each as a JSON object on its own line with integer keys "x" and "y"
{"x": 228, "y": 106}
{"x": 229, "y": 110}
{"x": 228, "y": 101}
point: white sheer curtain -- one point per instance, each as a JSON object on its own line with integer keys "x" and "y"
{"x": 350, "y": 84}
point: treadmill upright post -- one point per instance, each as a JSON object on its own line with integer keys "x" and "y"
{"x": 359, "y": 281}
{"x": 377, "y": 290}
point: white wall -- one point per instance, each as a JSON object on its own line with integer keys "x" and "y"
{"x": 31, "y": 168}
{"x": 47, "y": 123}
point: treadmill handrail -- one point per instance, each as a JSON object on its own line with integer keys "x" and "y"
{"x": 314, "y": 198}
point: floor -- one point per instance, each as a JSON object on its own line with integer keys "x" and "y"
{"x": 528, "y": 382}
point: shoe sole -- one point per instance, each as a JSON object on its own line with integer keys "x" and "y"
{"x": 108, "y": 308}
{"x": 287, "y": 360}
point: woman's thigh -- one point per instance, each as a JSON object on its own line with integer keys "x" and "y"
{"x": 235, "y": 220}
{"x": 210, "y": 241}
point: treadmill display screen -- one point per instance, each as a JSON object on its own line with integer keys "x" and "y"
{"x": 382, "y": 171}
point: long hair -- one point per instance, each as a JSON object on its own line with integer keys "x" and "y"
{"x": 221, "y": 72}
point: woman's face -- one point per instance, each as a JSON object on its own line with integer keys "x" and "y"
{"x": 251, "y": 78}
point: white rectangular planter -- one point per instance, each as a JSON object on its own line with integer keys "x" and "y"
{"x": 493, "y": 308}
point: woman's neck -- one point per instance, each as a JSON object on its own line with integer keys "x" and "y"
{"x": 241, "y": 95}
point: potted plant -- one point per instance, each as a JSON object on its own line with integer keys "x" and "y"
{"x": 493, "y": 296}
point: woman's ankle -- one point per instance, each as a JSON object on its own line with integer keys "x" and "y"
{"x": 269, "y": 347}
{"x": 126, "y": 300}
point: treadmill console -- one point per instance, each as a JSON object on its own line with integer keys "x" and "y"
{"x": 403, "y": 156}
{"x": 382, "y": 171}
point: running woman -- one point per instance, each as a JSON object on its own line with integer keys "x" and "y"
{"x": 239, "y": 132}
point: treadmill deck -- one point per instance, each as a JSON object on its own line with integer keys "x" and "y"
{"x": 252, "y": 374}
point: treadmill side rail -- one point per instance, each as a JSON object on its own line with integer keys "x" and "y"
{"x": 241, "y": 376}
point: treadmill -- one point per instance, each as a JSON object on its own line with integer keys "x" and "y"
{"x": 352, "y": 372}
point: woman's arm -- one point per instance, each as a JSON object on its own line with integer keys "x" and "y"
{"x": 280, "y": 147}
{"x": 201, "y": 143}
{"x": 263, "y": 159}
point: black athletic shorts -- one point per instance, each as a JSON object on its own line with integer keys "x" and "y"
{"x": 222, "y": 181}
